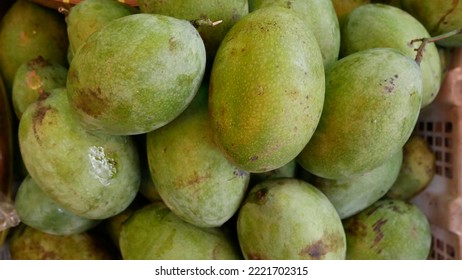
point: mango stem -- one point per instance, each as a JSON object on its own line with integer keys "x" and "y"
{"x": 205, "y": 22}
{"x": 426, "y": 41}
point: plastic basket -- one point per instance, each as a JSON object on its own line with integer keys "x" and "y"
{"x": 440, "y": 124}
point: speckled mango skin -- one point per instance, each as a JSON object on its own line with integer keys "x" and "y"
{"x": 389, "y": 229}
{"x": 384, "y": 26}
{"x": 320, "y": 18}
{"x": 89, "y": 16}
{"x": 438, "y": 17}
{"x": 39, "y": 211}
{"x": 352, "y": 195}
{"x": 266, "y": 90}
{"x": 156, "y": 233}
{"x": 122, "y": 88}
{"x": 289, "y": 219}
{"x": 27, "y": 243}
{"x": 91, "y": 175}
{"x": 371, "y": 106}
{"x": 28, "y": 30}
{"x": 191, "y": 175}
{"x": 34, "y": 79}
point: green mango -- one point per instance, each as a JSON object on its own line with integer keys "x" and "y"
{"x": 266, "y": 90}
{"x": 225, "y": 13}
{"x": 28, "y": 30}
{"x": 39, "y": 211}
{"x": 371, "y": 106}
{"x": 389, "y": 229}
{"x": 27, "y": 243}
{"x": 289, "y": 219}
{"x": 417, "y": 170}
{"x": 438, "y": 17}
{"x": 384, "y": 26}
{"x": 192, "y": 176}
{"x": 352, "y": 195}
{"x": 33, "y": 79}
{"x": 320, "y": 18}
{"x": 136, "y": 74}
{"x": 89, "y": 16}
{"x": 95, "y": 176}
{"x": 156, "y": 233}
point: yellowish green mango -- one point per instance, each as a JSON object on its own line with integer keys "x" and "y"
{"x": 384, "y": 26}
{"x": 371, "y": 106}
{"x": 156, "y": 233}
{"x": 289, "y": 219}
{"x": 320, "y": 17}
{"x": 266, "y": 90}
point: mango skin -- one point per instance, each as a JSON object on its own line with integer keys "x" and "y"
{"x": 384, "y": 26}
{"x": 289, "y": 219}
{"x": 438, "y": 17}
{"x": 33, "y": 79}
{"x": 371, "y": 106}
{"x": 89, "y": 16}
{"x": 352, "y": 195}
{"x": 27, "y": 243}
{"x": 266, "y": 90}
{"x": 37, "y": 210}
{"x": 417, "y": 170}
{"x": 156, "y": 233}
{"x": 191, "y": 175}
{"x": 28, "y": 30}
{"x": 389, "y": 229}
{"x": 228, "y": 11}
{"x": 94, "y": 176}
{"x": 320, "y": 18}
{"x": 115, "y": 95}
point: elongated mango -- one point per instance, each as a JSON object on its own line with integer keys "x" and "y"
{"x": 266, "y": 89}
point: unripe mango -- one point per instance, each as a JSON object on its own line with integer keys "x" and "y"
{"x": 190, "y": 173}
{"x": 266, "y": 90}
{"x": 155, "y": 233}
{"x": 289, "y": 219}
{"x": 320, "y": 17}
{"x": 95, "y": 176}
{"x": 371, "y": 106}
{"x": 136, "y": 74}
{"x": 36, "y": 209}
{"x": 389, "y": 229}
{"x": 384, "y": 26}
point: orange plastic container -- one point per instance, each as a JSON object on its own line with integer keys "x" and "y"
{"x": 440, "y": 123}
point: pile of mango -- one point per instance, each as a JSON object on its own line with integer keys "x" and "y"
{"x": 224, "y": 129}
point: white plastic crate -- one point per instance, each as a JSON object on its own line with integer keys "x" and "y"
{"x": 441, "y": 125}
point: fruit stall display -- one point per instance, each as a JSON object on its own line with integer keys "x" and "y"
{"x": 230, "y": 129}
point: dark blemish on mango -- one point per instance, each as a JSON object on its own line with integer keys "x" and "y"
{"x": 355, "y": 227}
{"x": 377, "y": 228}
{"x": 253, "y": 158}
{"x": 172, "y": 44}
{"x": 239, "y": 173}
{"x": 37, "y": 118}
{"x": 37, "y": 62}
{"x": 329, "y": 242}
{"x": 91, "y": 101}
{"x": 314, "y": 251}
{"x": 289, "y": 4}
{"x": 258, "y": 197}
{"x": 42, "y": 95}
